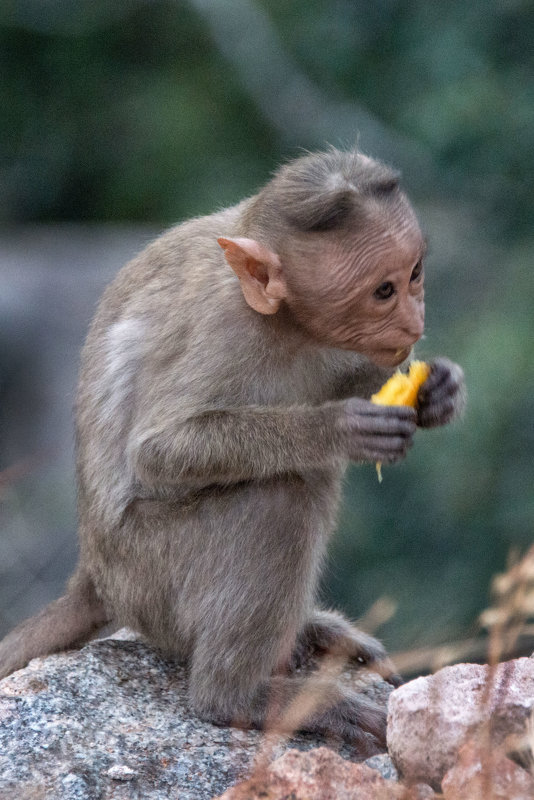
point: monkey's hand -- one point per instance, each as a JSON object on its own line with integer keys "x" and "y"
{"x": 356, "y": 719}
{"x": 378, "y": 433}
{"x": 442, "y": 396}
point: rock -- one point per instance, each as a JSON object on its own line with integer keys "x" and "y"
{"x": 430, "y": 718}
{"x": 120, "y": 772}
{"x": 111, "y": 721}
{"x": 482, "y": 773}
{"x": 420, "y": 791}
{"x": 384, "y": 765}
{"x": 319, "y": 774}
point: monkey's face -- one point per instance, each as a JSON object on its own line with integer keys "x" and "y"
{"x": 364, "y": 292}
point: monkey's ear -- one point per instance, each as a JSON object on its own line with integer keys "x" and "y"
{"x": 259, "y": 272}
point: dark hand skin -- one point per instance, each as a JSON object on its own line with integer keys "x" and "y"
{"x": 378, "y": 433}
{"x": 442, "y": 395}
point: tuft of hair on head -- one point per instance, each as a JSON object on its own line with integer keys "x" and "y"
{"x": 319, "y": 191}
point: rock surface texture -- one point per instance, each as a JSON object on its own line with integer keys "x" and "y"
{"x": 486, "y": 774}
{"x": 317, "y": 775}
{"x": 111, "y": 721}
{"x": 431, "y": 718}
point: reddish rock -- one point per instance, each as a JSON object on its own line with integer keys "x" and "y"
{"x": 420, "y": 791}
{"x": 479, "y": 773}
{"x": 430, "y": 718}
{"x": 316, "y": 775}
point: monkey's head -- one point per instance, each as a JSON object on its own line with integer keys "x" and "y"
{"x": 334, "y": 239}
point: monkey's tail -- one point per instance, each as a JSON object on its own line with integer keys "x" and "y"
{"x": 67, "y": 622}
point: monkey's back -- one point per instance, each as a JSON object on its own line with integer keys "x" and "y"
{"x": 172, "y": 338}
{"x": 149, "y": 319}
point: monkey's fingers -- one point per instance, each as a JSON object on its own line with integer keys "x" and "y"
{"x": 445, "y": 375}
{"x": 357, "y": 720}
{"x": 390, "y": 426}
{"x": 365, "y": 408}
{"x": 382, "y": 420}
{"x": 442, "y": 396}
{"x": 386, "y": 449}
{"x": 436, "y": 414}
{"x": 382, "y": 428}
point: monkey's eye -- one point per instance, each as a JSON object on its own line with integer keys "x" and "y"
{"x": 417, "y": 271}
{"x": 385, "y": 291}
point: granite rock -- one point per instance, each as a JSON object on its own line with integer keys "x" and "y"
{"x": 317, "y": 775}
{"x": 480, "y": 772}
{"x": 111, "y": 721}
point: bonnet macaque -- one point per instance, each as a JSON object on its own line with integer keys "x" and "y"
{"x": 224, "y": 386}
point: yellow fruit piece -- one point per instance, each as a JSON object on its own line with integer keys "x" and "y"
{"x": 402, "y": 390}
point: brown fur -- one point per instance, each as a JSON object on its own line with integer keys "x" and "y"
{"x": 212, "y": 439}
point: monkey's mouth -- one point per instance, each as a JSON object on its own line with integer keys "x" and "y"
{"x": 390, "y": 357}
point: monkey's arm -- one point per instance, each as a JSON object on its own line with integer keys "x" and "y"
{"x": 258, "y": 442}
{"x": 442, "y": 396}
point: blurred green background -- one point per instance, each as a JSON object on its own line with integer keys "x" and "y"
{"x": 146, "y": 112}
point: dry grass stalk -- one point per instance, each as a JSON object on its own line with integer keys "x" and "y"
{"x": 505, "y": 620}
{"x": 514, "y": 605}
{"x": 315, "y": 692}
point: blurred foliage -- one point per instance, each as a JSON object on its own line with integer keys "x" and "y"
{"x": 127, "y": 110}
{"x": 152, "y": 111}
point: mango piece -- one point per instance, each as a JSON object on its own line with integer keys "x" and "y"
{"x": 401, "y": 390}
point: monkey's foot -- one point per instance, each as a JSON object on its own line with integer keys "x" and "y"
{"x": 313, "y": 703}
{"x": 329, "y": 633}
{"x": 357, "y": 720}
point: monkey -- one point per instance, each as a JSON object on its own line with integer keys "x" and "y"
{"x": 224, "y": 387}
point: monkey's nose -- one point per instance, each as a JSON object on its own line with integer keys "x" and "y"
{"x": 415, "y": 329}
{"x": 414, "y": 319}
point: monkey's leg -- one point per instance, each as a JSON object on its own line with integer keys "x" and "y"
{"x": 329, "y": 632}
{"x": 257, "y": 597}
{"x": 312, "y": 703}
{"x": 319, "y": 704}
{"x": 67, "y": 622}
